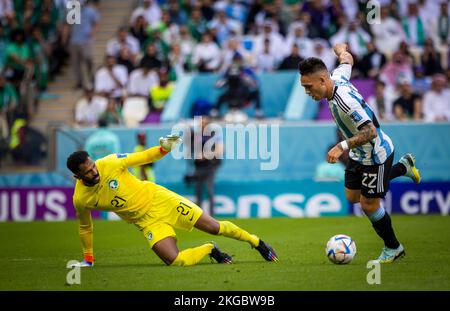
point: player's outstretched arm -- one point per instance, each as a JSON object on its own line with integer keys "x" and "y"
{"x": 341, "y": 51}
{"x": 153, "y": 154}
{"x": 85, "y": 231}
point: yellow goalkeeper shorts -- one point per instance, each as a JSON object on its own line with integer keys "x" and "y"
{"x": 168, "y": 211}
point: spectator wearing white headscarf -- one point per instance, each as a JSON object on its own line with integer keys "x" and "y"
{"x": 207, "y": 55}
{"x": 436, "y": 102}
{"x": 150, "y": 10}
{"x": 321, "y": 49}
{"x": 276, "y": 42}
{"x": 354, "y": 35}
{"x": 299, "y": 37}
{"x": 388, "y": 34}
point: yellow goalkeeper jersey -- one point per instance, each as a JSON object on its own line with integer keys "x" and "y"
{"x": 118, "y": 191}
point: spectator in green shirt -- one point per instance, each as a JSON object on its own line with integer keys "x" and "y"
{"x": 8, "y": 101}
{"x": 4, "y": 39}
{"x": 18, "y": 56}
{"x": 112, "y": 114}
{"x": 197, "y": 25}
{"x": 40, "y": 50}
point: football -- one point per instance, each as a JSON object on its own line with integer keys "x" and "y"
{"x": 341, "y": 249}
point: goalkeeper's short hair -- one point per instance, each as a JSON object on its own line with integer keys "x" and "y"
{"x": 75, "y": 159}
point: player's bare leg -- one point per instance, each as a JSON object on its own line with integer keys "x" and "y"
{"x": 167, "y": 250}
{"x": 381, "y": 222}
{"x": 208, "y": 224}
{"x": 353, "y": 195}
{"x": 226, "y": 228}
{"x": 369, "y": 205}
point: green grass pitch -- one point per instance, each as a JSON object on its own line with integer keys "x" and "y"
{"x": 33, "y": 256}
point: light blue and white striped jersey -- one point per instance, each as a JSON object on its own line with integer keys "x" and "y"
{"x": 351, "y": 113}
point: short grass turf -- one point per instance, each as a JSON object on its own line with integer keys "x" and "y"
{"x": 33, "y": 256}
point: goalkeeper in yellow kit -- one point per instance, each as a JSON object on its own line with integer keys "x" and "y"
{"x": 107, "y": 185}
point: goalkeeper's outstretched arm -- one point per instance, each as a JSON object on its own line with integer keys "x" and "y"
{"x": 85, "y": 231}
{"x": 153, "y": 154}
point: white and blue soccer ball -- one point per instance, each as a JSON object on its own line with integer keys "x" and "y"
{"x": 341, "y": 249}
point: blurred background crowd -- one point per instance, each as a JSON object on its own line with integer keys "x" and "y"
{"x": 406, "y": 55}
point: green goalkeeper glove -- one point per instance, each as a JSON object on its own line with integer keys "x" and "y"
{"x": 169, "y": 142}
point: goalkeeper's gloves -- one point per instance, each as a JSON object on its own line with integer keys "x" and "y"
{"x": 88, "y": 261}
{"x": 169, "y": 142}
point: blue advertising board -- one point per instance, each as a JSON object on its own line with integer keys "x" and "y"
{"x": 265, "y": 199}
{"x": 424, "y": 198}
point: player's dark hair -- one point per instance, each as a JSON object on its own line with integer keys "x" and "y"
{"x": 311, "y": 65}
{"x": 75, "y": 159}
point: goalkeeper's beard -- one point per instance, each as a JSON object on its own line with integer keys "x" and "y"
{"x": 91, "y": 181}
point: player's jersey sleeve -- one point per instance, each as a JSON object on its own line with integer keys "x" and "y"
{"x": 126, "y": 160}
{"x": 86, "y": 227}
{"x": 359, "y": 117}
{"x": 342, "y": 72}
{"x": 349, "y": 103}
{"x": 150, "y": 155}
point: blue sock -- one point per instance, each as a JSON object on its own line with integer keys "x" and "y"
{"x": 380, "y": 212}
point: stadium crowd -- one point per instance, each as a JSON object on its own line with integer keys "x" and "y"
{"x": 34, "y": 47}
{"x": 405, "y": 53}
